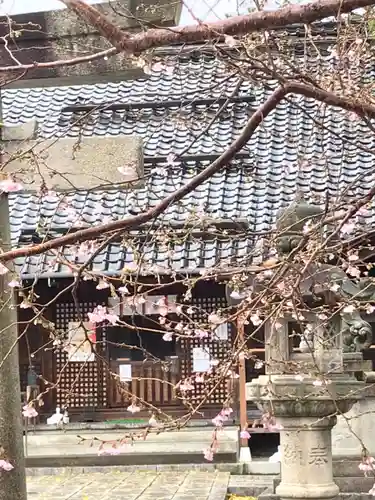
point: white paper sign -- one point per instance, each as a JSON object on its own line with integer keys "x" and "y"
{"x": 221, "y": 332}
{"x": 154, "y": 303}
{"x": 79, "y": 348}
{"x": 201, "y": 359}
{"x": 125, "y": 373}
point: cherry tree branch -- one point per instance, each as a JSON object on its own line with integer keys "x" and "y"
{"x": 137, "y": 220}
{"x": 329, "y": 98}
{"x": 123, "y": 41}
{"x": 60, "y": 63}
{"x": 237, "y": 25}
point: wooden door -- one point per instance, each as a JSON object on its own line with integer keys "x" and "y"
{"x": 79, "y": 385}
{"x": 149, "y": 383}
{"x": 218, "y": 349}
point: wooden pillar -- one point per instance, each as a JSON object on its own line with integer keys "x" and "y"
{"x": 245, "y": 455}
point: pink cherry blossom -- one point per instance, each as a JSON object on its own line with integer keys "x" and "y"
{"x": 179, "y": 310}
{"x": 25, "y": 304}
{"x": 14, "y": 284}
{"x": 255, "y": 319}
{"x": 102, "y": 285}
{"x": 171, "y": 160}
{"x": 124, "y": 290}
{"x": 318, "y": 383}
{"x": 157, "y": 66}
{"x": 353, "y": 257}
{"x": 363, "y": 211}
{"x": 6, "y": 465}
{"x": 168, "y": 337}
{"x": 245, "y": 435}
{"x": 227, "y": 411}
{"x": 372, "y": 491}
{"x": 367, "y": 465}
{"x": 230, "y": 41}
{"x": 347, "y": 228}
{"x": 307, "y": 227}
{"x": 29, "y": 411}
{"x": 131, "y": 267}
{"x": 10, "y": 186}
{"x": 222, "y": 417}
{"x": 335, "y": 287}
{"x": 100, "y": 314}
{"x": 269, "y": 423}
{"x": 201, "y": 334}
{"x": 186, "y": 385}
{"x": 169, "y": 69}
{"x": 219, "y": 420}
{"x": 353, "y": 271}
{"x": 133, "y": 408}
{"x": 128, "y": 172}
{"x": 152, "y": 421}
{"x": 162, "y": 302}
{"x": 3, "y": 269}
{"x": 275, "y": 427}
{"x": 208, "y": 454}
{"x": 348, "y": 309}
{"x": 163, "y": 311}
{"x": 199, "y": 378}
{"x": 179, "y": 327}
{"x": 369, "y": 309}
{"x": 237, "y": 295}
{"x": 112, "y": 318}
{"x": 214, "y": 319}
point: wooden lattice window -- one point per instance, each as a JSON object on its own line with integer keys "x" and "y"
{"x": 218, "y": 349}
{"x": 80, "y": 384}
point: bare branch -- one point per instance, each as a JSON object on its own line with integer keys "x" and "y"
{"x": 237, "y": 25}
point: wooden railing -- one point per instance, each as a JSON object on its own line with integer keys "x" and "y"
{"x": 149, "y": 383}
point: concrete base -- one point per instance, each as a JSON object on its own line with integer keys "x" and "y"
{"x": 261, "y": 468}
{"x": 138, "y": 459}
{"x": 63, "y": 449}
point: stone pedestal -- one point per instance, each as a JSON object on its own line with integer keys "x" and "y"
{"x": 348, "y": 440}
{"x": 305, "y": 412}
{"x": 354, "y": 430}
{"x": 306, "y": 465}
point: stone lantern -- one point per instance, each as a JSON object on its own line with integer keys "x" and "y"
{"x": 305, "y": 390}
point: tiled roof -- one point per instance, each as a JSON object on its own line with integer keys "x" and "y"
{"x": 290, "y": 153}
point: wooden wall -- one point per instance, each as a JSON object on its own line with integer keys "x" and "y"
{"x": 84, "y": 386}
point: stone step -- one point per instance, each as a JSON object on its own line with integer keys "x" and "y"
{"x": 255, "y": 485}
{"x": 354, "y": 484}
{"x": 347, "y": 468}
{"x": 145, "y": 458}
{"x": 346, "y": 484}
{"x": 250, "y": 485}
{"x": 342, "y": 496}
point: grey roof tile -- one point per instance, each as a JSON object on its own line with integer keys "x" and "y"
{"x": 289, "y": 153}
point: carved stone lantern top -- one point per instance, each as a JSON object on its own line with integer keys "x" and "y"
{"x": 291, "y": 221}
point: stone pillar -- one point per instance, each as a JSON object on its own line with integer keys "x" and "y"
{"x": 306, "y": 465}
